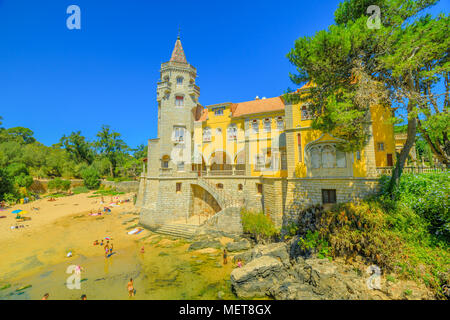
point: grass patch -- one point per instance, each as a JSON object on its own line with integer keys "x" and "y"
{"x": 80, "y": 189}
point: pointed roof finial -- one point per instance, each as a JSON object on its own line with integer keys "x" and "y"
{"x": 178, "y": 52}
{"x": 179, "y": 32}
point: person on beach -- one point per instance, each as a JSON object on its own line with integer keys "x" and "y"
{"x": 225, "y": 256}
{"x": 111, "y": 249}
{"x": 83, "y": 297}
{"x": 107, "y": 249}
{"x": 45, "y": 297}
{"x": 142, "y": 249}
{"x": 101, "y": 242}
{"x": 96, "y": 243}
{"x": 239, "y": 263}
{"x": 130, "y": 287}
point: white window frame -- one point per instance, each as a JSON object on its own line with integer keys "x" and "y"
{"x": 206, "y": 134}
{"x": 179, "y": 134}
{"x": 232, "y": 132}
{"x": 267, "y": 125}
{"x": 177, "y": 101}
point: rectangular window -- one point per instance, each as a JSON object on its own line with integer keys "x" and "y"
{"x": 179, "y": 101}
{"x": 358, "y": 155}
{"x": 178, "y": 134}
{"x": 280, "y": 124}
{"x": 259, "y": 162}
{"x": 341, "y": 160}
{"x": 178, "y": 187}
{"x": 218, "y": 112}
{"x": 255, "y": 126}
{"x": 259, "y": 188}
{"x": 267, "y": 125}
{"x": 165, "y": 164}
{"x": 328, "y": 196}
{"x": 283, "y": 159}
{"x": 299, "y": 147}
{"x": 390, "y": 160}
{"x": 180, "y": 166}
{"x": 380, "y": 146}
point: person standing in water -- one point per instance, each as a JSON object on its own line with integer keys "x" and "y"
{"x": 130, "y": 287}
{"x": 225, "y": 256}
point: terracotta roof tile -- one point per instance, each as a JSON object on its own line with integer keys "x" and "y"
{"x": 257, "y": 106}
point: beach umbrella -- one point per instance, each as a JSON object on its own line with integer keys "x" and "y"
{"x": 108, "y": 238}
{"x": 17, "y": 211}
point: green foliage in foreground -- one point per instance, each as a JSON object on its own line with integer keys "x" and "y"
{"x": 313, "y": 242}
{"x": 428, "y": 196}
{"x": 258, "y": 225}
{"x": 403, "y": 236}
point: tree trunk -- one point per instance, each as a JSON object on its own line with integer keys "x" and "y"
{"x": 410, "y": 139}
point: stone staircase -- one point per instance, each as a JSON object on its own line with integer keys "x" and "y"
{"x": 179, "y": 230}
{"x": 224, "y": 199}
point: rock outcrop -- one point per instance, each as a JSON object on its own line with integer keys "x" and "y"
{"x": 238, "y": 245}
{"x": 268, "y": 272}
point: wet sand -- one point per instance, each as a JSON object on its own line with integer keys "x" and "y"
{"x": 36, "y": 256}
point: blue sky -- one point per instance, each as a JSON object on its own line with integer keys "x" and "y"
{"x": 54, "y": 80}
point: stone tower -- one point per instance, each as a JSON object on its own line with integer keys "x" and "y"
{"x": 177, "y": 97}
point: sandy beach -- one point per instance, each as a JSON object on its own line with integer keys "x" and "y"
{"x": 36, "y": 254}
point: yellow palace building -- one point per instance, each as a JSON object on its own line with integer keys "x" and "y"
{"x": 260, "y": 154}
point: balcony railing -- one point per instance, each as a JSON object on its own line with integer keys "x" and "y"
{"x": 165, "y": 86}
{"x": 388, "y": 170}
{"x": 194, "y": 89}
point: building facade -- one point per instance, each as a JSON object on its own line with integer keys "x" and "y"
{"x": 261, "y": 154}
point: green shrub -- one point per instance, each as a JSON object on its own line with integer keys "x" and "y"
{"x": 58, "y": 185}
{"x": 258, "y": 225}
{"x": 20, "y": 175}
{"x": 91, "y": 178}
{"x": 428, "y": 195}
{"x": 289, "y": 230}
{"x": 10, "y": 198}
{"x": 390, "y": 234}
{"x": 314, "y": 243}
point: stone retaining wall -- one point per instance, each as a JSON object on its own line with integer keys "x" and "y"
{"x": 123, "y": 186}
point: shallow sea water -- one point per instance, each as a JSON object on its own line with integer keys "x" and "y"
{"x": 165, "y": 272}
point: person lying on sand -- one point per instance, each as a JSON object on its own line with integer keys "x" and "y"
{"x": 45, "y": 297}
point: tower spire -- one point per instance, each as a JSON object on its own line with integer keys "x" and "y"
{"x": 178, "y": 52}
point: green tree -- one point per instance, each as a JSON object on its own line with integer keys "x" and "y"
{"x": 6, "y": 185}
{"x": 19, "y": 134}
{"x": 19, "y": 174}
{"x": 91, "y": 178}
{"x": 111, "y": 146}
{"x": 79, "y": 149}
{"x": 353, "y": 67}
